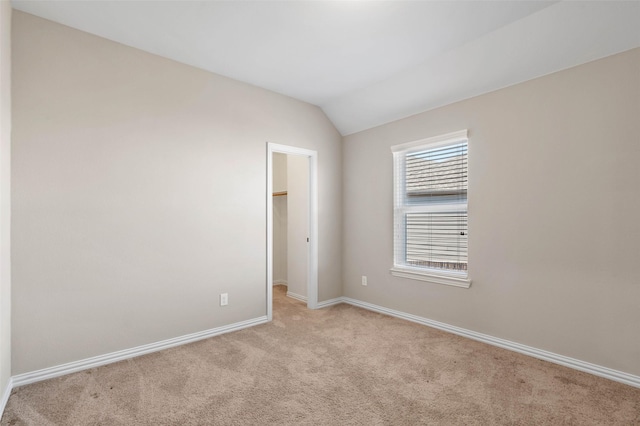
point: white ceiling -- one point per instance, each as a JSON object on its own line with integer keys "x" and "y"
{"x": 365, "y": 63}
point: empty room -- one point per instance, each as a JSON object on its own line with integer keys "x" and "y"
{"x": 319, "y": 212}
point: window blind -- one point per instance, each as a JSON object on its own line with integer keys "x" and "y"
{"x": 437, "y": 172}
{"x": 431, "y": 206}
{"x": 437, "y": 240}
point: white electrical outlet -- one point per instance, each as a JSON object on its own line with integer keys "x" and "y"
{"x": 224, "y": 299}
{"x": 364, "y": 280}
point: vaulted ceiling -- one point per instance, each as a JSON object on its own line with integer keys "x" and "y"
{"x": 364, "y": 63}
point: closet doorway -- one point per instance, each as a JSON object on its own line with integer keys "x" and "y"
{"x": 292, "y": 223}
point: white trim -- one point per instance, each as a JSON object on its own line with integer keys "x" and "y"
{"x": 297, "y": 296}
{"x": 96, "y": 361}
{"x": 401, "y": 208}
{"x": 269, "y": 196}
{"x": 48, "y": 373}
{"x": 576, "y": 364}
{"x": 314, "y": 235}
{"x": 414, "y": 274}
{"x": 280, "y": 282}
{"x": 6, "y": 395}
{"x": 331, "y": 302}
{"x": 434, "y": 141}
{"x": 293, "y": 150}
{"x": 312, "y": 264}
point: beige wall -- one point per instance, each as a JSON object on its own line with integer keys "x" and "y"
{"x": 279, "y": 219}
{"x": 553, "y": 214}
{"x": 5, "y": 197}
{"x": 280, "y": 240}
{"x": 139, "y": 195}
{"x": 297, "y": 224}
{"x": 279, "y": 172}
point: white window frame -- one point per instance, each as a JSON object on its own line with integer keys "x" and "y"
{"x": 399, "y": 269}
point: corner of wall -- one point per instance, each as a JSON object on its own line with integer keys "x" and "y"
{"x": 5, "y": 202}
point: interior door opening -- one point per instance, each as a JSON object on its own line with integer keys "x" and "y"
{"x": 292, "y": 224}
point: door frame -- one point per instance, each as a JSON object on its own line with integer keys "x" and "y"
{"x": 312, "y": 247}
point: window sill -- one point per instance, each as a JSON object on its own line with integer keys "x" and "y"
{"x": 417, "y": 274}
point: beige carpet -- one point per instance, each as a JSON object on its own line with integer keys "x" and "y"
{"x": 336, "y": 366}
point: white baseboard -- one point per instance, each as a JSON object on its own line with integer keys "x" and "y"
{"x": 297, "y": 296}
{"x": 280, "y": 282}
{"x": 72, "y": 367}
{"x": 84, "y": 364}
{"x": 5, "y": 395}
{"x": 319, "y": 305}
{"x": 330, "y": 302}
{"x": 566, "y": 361}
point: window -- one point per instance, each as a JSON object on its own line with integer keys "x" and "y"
{"x": 430, "y": 210}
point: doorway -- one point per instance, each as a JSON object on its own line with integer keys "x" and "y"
{"x": 304, "y": 237}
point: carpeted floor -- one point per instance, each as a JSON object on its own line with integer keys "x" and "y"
{"x": 336, "y": 366}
